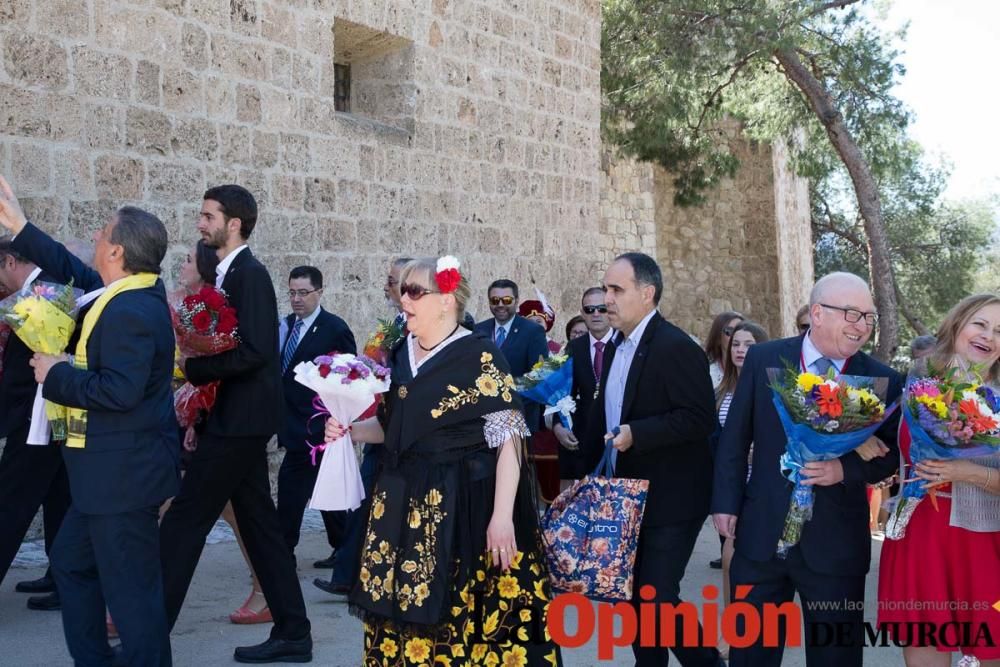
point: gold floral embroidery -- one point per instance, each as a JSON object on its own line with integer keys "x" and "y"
{"x": 489, "y": 383}
{"x": 402, "y": 392}
{"x": 378, "y": 566}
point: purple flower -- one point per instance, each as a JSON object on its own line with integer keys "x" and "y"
{"x": 323, "y": 360}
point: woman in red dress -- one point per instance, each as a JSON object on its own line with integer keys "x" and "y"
{"x": 940, "y": 573}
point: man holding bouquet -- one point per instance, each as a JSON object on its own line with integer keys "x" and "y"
{"x": 230, "y": 462}
{"x": 831, "y": 558}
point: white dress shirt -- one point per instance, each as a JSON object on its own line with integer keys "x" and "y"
{"x": 614, "y": 393}
{"x": 810, "y": 355}
{"x": 224, "y": 264}
{"x": 607, "y": 339}
{"x": 506, "y": 328}
{"x": 306, "y": 325}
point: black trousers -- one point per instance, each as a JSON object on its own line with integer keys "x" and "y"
{"x": 231, "y": 469}
{"x": 777, "y": 581}
{"x": 113, "y": 560}
{"x": 664, "y": 552}
{"x": 30, "y": 476}
{"x": 296, "y": 479}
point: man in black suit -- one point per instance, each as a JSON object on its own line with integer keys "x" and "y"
{"x": 61, "y": 266}
{"x": 230, "y": 462}
{"x": 833, "y": 555}
{"x": 588, "y": 354}
{"x": 521, "y": 341}
{"x": 31, "y": 476}
{"x": 656, "y": 390}
{"x": 122, "y": 451}
{"x": 311, "y": 332}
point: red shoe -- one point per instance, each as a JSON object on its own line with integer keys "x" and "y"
{"x": 246, "y": 616}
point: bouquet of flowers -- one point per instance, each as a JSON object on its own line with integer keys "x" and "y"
{"x": 204, "y": 324}
{"x": 550, "y": 382}
{"x": 823, "y": 418}
{"x": 950, "y": 416}
{"x": 43, "y": 316}
{"x": 387, "y": 334}
{"x": 345, "y": 386}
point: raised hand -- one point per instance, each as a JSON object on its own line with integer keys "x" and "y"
{"x": 11, "y": 215}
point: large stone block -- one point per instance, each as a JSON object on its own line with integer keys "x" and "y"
{"x": 100, "y": 74}
{"x": 183, "y": 91}
{"x": 147, "y": 83}
{"x": 119, "y": 178}
{"x": 36, "y": 60}
{"x": 174, "y": 181}
{"x": 237, "y": 143}
{"x": 336, "y": 235}
{"x": 221, "y": 98}
{"x": 67, "y": 18}
{"x": 194, "y": 47}
{"x": 31, "y": 168}
{"x": 105, "y": 127}
{"x": 88, "y": 216}
{"x": 197, "y": 138}
{"x": 15, "y": 12}
{"x": 72, "y": 174}
{"x": 265, "y": 149}
{"x": 321, "y": 195}
{"x": 47, "y": 213}
{"x": 239, "y": 58}
{"x": 248, "y": 104}
{"x": 148, "y": 131}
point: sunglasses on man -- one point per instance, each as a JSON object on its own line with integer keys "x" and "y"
{"x": 590, "y": 310}
{"x": 505, "y": 300}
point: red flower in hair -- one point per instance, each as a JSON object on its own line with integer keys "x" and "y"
{"x": 202, "y": 321}
{"x": 448, "y": 280}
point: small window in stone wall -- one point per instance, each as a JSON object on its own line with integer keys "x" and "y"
{"x": 342, "y": 87}
{"x": 373, "y": 75}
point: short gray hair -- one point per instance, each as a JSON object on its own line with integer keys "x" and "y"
{"x": 143, "y": 238}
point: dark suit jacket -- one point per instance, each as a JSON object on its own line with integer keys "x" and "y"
{"x": 524, "y": 344}
{"x": 670, "y": 407}
{"x": 17, "y": 390}
{"x": 131, "y": 456}
{"x": 249, "y": 403}
{"x": 584, "y": 387}
{"x": 836, "y": 541}
{"x": 328, "y": 334}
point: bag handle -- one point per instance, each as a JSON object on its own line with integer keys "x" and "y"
{"x": 604, "y": 467}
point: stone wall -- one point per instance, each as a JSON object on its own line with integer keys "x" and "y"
{"x": 748, "y": 248}
{"x": 474, "y": 132}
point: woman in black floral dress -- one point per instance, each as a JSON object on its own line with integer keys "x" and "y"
{"x": 452, "y": 571}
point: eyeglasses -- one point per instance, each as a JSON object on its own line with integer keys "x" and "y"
{"x": 590, "y": 310}
{"x": 853, "y": 315}
{"x": 415, "y": 292}
{"x": 505, "y": 300}
{"x": 301, "y": 293}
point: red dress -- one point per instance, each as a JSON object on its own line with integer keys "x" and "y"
{"x": 941, "y": 574}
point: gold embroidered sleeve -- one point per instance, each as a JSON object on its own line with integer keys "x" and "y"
{"x": 504, "y": 425}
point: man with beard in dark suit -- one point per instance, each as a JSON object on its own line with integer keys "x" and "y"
{"x": 656, "y": 404}
{"x": 830, "y": 562}
{"x": 588, "y": 354}
{"x": 230, "y": 462}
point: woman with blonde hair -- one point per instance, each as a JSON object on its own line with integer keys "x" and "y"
{"x": 945, "y": 570}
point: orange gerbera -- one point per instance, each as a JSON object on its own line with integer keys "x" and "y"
{"x": 828, "y": 400}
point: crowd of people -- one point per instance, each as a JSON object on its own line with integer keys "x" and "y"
{"x": 456, "y": 466}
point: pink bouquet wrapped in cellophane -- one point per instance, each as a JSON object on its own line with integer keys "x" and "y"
{"x": 345, "y": 385}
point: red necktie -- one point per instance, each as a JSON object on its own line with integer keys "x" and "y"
{"x": 598, "y": 359}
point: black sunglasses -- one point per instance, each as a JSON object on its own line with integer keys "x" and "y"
{"x": 415, "y": 292}
{"x": 505, "y": 300}
{"x": 590, "y": 310}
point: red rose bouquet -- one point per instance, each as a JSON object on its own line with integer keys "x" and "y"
{"x": 204, "y": 324}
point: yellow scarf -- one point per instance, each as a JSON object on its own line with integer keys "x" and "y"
{"x": 76, "y": 418}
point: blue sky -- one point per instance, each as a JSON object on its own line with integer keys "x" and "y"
{"x": 952, "y": 84}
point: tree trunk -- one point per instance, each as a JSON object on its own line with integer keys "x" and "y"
{"x": 881, "y": 277}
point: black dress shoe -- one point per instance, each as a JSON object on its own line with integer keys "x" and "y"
{"x": 42, "y": 585}
{"x": 48, "y": 602}
{"x": 339, "y": 590}
{"x": 276, "y": 650}
{"x": 326, "y": 563}
{"x": 716, "y": 564}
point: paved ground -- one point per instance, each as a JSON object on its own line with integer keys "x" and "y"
{"x": 204, "y": 636}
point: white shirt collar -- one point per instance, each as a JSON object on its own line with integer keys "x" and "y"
{"x": 506, "y": 327}
{"x": 607, "y": 337}
{"x": 415, "y": 365}
{"x": 810, "y": 354}
{"x": 640, "y": 329}
{"x": 308, "y": 321}
{"x": 224, "y": 264}
{"x": 32, "y": 277}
